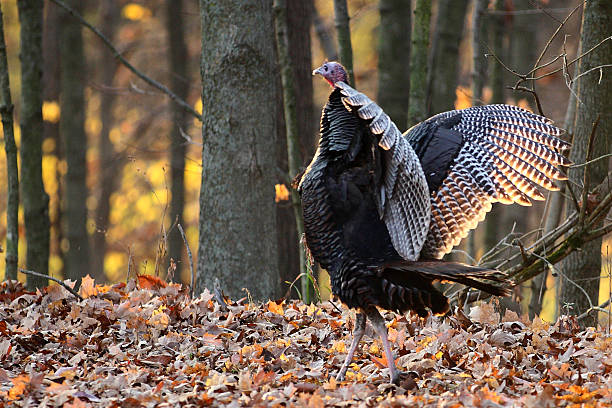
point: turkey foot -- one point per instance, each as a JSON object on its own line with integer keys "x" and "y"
{"x": 381, "y": 329}
{"x": 360, "y": 324}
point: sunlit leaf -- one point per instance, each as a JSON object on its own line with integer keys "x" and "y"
{"x": 19, "y": 385}
{"x": 282, "y": 193}
{"x": 276, "y": 307}
{"x": 88, "y": 287}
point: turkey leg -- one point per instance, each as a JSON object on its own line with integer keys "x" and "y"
{"x": 360, "y": 324}
{"x": 381, "y": 328}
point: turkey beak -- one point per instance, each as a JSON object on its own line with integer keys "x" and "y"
{"x": 317, "y": 71}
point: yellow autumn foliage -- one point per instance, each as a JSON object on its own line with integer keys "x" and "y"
{"x": 51, "y": 111}
{"x": 135, "y": 12}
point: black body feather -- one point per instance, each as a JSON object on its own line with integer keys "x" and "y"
{"x": 381, "y": 208}
{"x": 347, "y": 236}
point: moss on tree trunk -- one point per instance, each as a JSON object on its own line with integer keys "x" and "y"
{"x": 417, "y": 105}
{"x": 343, "y": 31}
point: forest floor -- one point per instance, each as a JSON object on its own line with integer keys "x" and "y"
{"x": 147, "y": 344}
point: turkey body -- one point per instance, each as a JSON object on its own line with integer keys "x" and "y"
{"x": 340, "y": 193}
{"x": 343, "y": 228}
{"x": 381, "y": 208}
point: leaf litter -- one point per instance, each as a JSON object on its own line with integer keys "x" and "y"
{"x": 147, "y": 344}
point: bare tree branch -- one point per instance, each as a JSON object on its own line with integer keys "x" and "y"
{"x": 549, "y": 249}
{"x": 125, "y": 62}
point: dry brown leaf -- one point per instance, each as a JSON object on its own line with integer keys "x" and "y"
{"x": 150, "y": 282}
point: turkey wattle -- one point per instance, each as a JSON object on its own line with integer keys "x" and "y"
{"x": 381, "y": 207}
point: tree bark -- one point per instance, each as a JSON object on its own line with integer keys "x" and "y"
{"x": 237, "y": 209}
{"x": 478, "y": 59}
{"x": 343, "y": 31}
{"x": 444, "y": 75}
{"x": 51, "y": 94}
{"x": 299, "y": 20}
{"x": 180, "y": 85}
{"x": 35, "y": 199}
{"x": 417, "y": 105}
{"x": 12, "y": 171}
{"x": 556, "y": 206}
{"x": 109, "y": 163}
{"x": 523, "y": 53}
{"x": 497, "y": 30}
{"x": 595, "y": 102}
{"x": 394, "y": 59}
{"x": 324, "y": 36}
{"x": 496, "y": 81}
{"x": 294, "y": 157}
{"x": 72, "y": 129}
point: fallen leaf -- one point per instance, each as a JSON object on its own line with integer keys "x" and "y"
{"x": 150, "y": 282}
{"x": 88, "y": 287}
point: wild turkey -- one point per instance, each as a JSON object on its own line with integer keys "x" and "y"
{"x": 381, "y": 208}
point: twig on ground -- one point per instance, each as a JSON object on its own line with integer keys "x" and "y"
{"x": 180, "y": 228}
{"x": 59, "y": 282}
{"x": 129, "y": 271}
{"x": 218, "y": 293}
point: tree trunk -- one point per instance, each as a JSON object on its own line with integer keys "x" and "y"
{"x": 496, "y": 81}
{"x": 523, "y": 52}
{"x": 180, "y": 86}
{"x": 394, "y": 59}
{"x": 324, "y": 36}
{"x": 72, "y": 129}
{"x": 294, "y": 157}
{"x": 299, "y": 19}
{"x": 12, "y": 171}
{"x": 108, "y": 161}
{"x": 343, "y": 31}
{"x": 237, "y": 209}
{"x": 554, "y": 212}
{"x": 497, "y": 30}
{"x": 51, "y": 94}
{"x": 478, "y": 59}
{"x": 595, "y": 95}
{"x": 417, "y": 105}
{"x": 35, "y": 199}
{"x": 444, "y": 75}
